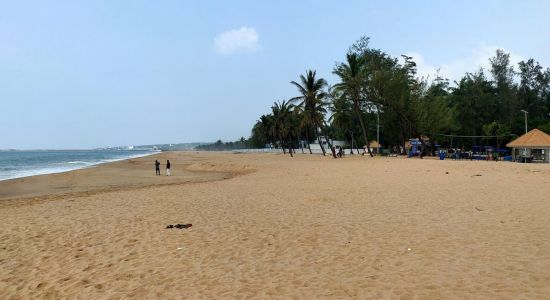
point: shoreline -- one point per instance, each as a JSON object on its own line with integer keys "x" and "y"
{"x": 68, "y": 169}
{"x": 124, "y": 174}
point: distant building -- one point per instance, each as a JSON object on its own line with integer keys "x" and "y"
{"x": 315, "y": 148}
{"x": 533, "y": 146}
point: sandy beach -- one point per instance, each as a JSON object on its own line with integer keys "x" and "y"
{"x": 271, "y": 226}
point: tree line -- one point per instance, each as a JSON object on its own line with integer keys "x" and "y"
{"x": 482, "y": 108}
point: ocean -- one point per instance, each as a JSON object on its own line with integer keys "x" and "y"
{"x": 16, "y": 164}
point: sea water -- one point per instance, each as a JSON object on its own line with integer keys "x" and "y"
{"x": 16, "y": 164}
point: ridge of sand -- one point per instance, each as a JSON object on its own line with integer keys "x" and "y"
{"x": 124, "y": 175}
{"x": 307, "y": 227}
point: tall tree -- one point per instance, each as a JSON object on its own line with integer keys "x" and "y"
{"x": 474, "y": 102}
{"x": 282, "y": 123}
{"x": 506, "y": 97}
{"x": 534, "y": 91}
{"x": 394, "y": 86}
{"x": 264, "y": 129}
{"x": 311, "y": 102}
{"x": 435, "y": 116}
{"x": 351, "y": 85}
{"x": 342, "y": 116}
{"x": 497, "y": 130}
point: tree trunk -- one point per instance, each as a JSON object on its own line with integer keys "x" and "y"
{"x": 282, "y": 145}
{"x": 308, "y": 145}
{"x": 423, "y": 147}
{"x": 402, "y": 134}
{"x": 351, "y": 146}
{"x": 433, "y": 148}
{"x": 363, "y": 128}
{"x": 331, "y": 147}
{"x": 329, "y": 144}
{"x": 357, "y": 147}
{"x": 321, "y": 145}
{"x": 290, "y": 148}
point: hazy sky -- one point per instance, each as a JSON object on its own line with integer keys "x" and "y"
{"x": 83, "y": 74}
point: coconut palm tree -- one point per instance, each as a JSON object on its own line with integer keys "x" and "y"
{"x": 304, "y": 129}
{"x": 282, "y": 123}
{"x": 297, "y": 130}
{"x": 311, "y": 103}
{"x": 342, "y": 116}
{"x": 264, "y": 128}
{"x": 353, "y": 79}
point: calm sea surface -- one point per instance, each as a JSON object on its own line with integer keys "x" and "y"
{"x": 15, "y": 164}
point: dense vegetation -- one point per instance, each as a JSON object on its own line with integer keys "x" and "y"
{"x": 485, "y": 103}
{"x": 223, "y": 146}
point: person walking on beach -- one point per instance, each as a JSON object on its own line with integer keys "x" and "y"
{"x": 168, "y": 168}
{"x": 157, "y": 167}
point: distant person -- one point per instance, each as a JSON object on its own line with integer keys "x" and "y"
{"x": 168, "y": 168}
{"x": 157, "y": 167}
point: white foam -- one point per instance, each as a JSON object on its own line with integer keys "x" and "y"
{"x": 78, "y": 162}
{"x": 70, "y": 166}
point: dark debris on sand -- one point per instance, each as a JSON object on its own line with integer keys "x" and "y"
{"x": 179, "y": 226}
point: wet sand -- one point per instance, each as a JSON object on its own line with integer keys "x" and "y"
{"x": 266, "y": 225}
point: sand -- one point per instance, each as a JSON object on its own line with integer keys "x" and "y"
{"x": 271, "y": 226}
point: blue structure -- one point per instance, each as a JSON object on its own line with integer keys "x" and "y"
{"x": 416, "y": 147}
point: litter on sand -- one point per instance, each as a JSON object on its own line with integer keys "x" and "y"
{"x": 179, "y": 226}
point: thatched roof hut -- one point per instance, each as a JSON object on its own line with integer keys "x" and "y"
{"x": 532, "y": 146}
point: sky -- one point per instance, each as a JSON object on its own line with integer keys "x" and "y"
{"x": 87, "y": 74}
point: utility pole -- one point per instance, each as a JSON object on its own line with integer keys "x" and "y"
{"x": 525, "y": 113}
{"x": 525, "y": 149}
{"x": 378, "y": 131}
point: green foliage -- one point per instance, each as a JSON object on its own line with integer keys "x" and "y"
{"x": 498, "y": 130}
{"x": 545, "y": 127}
{"x": 219, "y": 145}
{"x": 311, "y": 104}
{"x": 311, "y": 101}
{"x": 371, "y": 83}
{"x": 434, "y": 115}
{"x": 352, "y": 88}
{"x": 475, "y": 103}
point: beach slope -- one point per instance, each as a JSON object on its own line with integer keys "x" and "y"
{"x": 266, "y": 225}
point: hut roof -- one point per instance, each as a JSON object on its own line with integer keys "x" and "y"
{"x": 373, "y": 144}
{"x": 533, "y": 138}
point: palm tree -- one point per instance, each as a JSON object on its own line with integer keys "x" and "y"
{"x": 297, "y": 129}
{"x": 265, "y": 128}
{"x": 353, "y": 79}
{"x": 312, "y": 103}
{"x": 303, "y": 126}
{"x": 342, "y": 116}
{"x": 282, "y": 125}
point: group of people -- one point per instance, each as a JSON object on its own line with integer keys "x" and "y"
{"x": 339, "y": 151}
{"x": 157, "y": 168}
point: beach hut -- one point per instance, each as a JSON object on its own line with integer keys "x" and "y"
{"x": 533, "y": 146}
{"x": 374, "y": 145}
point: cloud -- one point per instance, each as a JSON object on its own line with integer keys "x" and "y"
{"x": 458, "y": 67}
{"x": 242, "y": 40}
